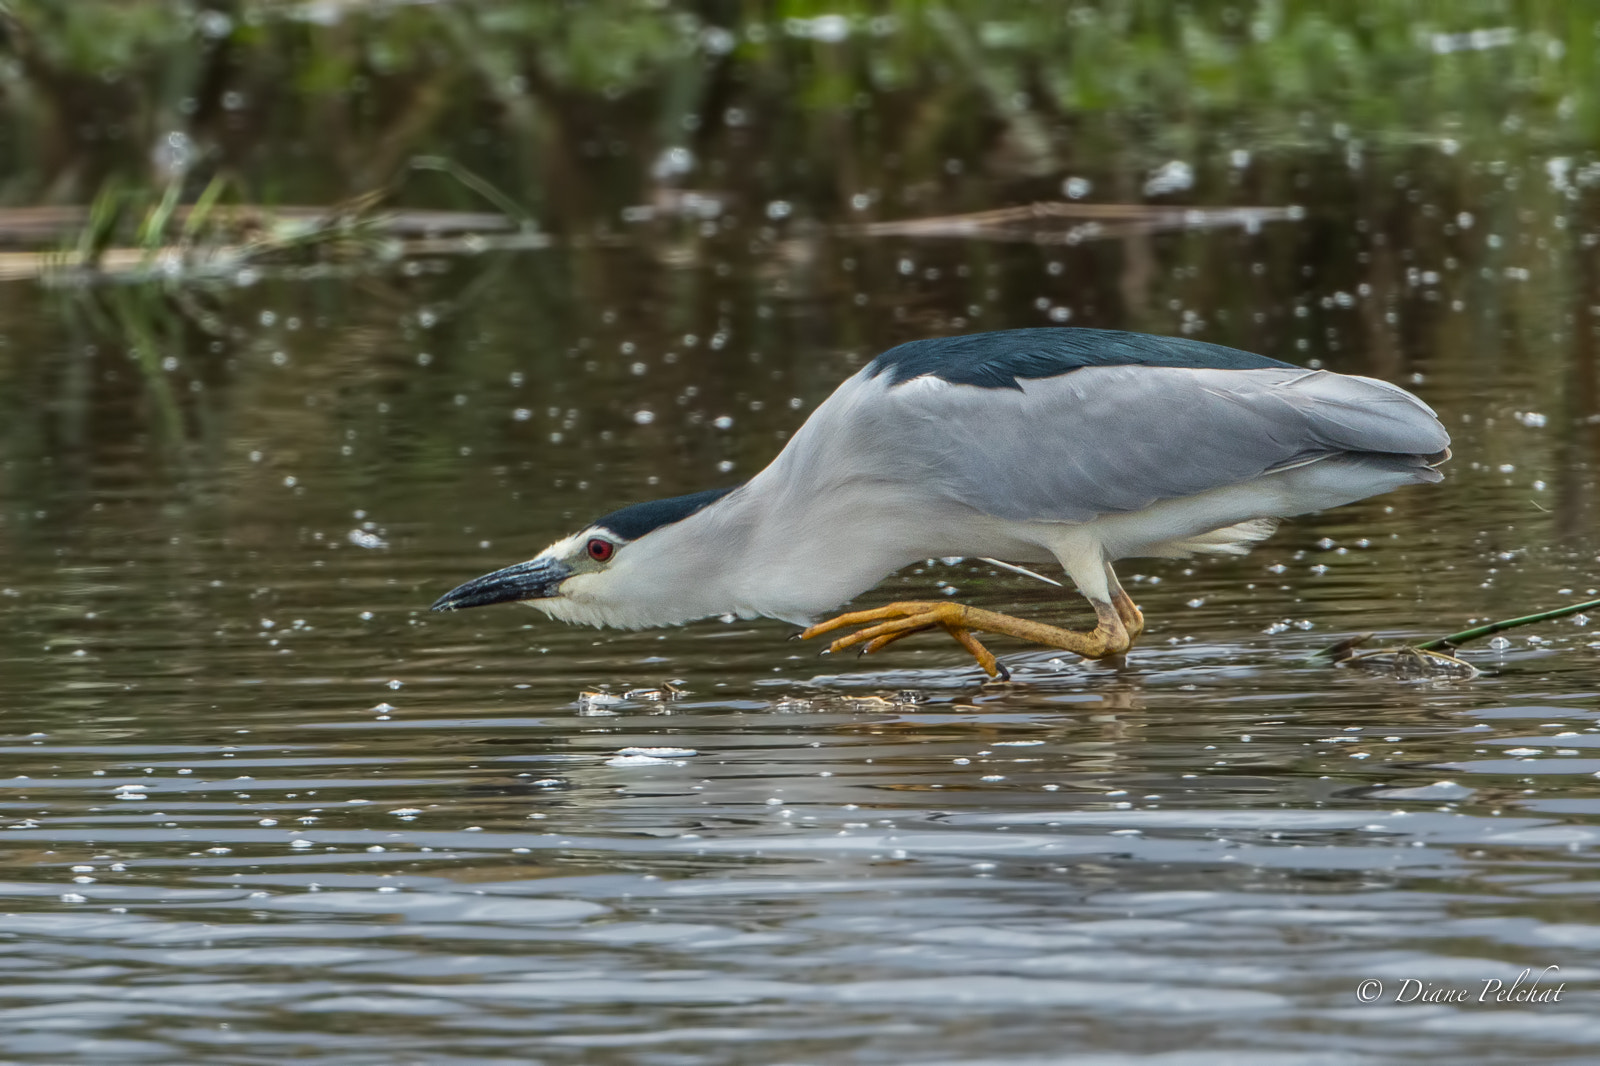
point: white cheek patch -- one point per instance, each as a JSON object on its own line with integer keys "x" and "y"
{"x": 572, "y": 605}
{"x": 564, "y": 547}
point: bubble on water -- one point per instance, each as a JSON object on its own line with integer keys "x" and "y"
{"x": 1173, "y": 176}
{"x": 644, "y": 418}
{"x": 300, "y": 843}
{"x": 214, "y": 24}
{"x": 395, "y": 684}
{"x": 779, "y": 209}
{"x": 718, "y": 42}
{"x": 829, "y": 29}
{"x": 1499, "y": 643}
{"x": 625, "y": 761}
{"x": 363, "y": 539}
{"x": 672, "y": 163}
{"x": 1076, "y": 188}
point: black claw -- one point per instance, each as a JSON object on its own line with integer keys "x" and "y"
{"x": 796, "y": 635}
{"x": 1005, "y": 675}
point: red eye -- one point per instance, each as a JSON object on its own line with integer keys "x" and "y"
{"x": 600, "y": 550}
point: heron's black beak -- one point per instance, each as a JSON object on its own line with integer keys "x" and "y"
{"x": 536, "y": 579}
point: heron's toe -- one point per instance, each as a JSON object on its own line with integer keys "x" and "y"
{"x": 893, "y": 629}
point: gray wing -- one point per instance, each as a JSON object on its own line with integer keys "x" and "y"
{"x": 1104, "y": 440}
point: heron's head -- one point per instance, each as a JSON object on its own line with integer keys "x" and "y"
{"x": 599, "y": 575}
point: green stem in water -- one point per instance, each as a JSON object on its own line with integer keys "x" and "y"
{"x": 1456, "y": 639}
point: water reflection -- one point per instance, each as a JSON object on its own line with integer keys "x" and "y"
{"x": 258, "y": 803}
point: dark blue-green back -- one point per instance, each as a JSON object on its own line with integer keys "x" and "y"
{"x": 998, "y": 360}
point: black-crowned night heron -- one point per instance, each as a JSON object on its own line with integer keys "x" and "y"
{"x": 1078, "y": 446}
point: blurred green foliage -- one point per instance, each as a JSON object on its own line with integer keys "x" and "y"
{"x": 532, "y": 92}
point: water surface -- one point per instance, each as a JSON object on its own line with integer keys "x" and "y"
{"x": 259, "y": 804}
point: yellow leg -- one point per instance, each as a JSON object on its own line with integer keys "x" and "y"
{"x": 896, "y": 620}
{"x": 1132, "y": 617}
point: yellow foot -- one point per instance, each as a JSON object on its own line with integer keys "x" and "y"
{"x": 896, "y": 620}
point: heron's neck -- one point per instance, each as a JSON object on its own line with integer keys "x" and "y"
{"x": 795, "y": 548}
{"x": 770, "y": 548}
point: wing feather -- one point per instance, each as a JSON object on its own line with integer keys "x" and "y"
{"x": 1114, "y": 439}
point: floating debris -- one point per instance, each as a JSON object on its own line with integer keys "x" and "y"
{"x": 1432, "y": 659}
{"x": 668, "y": 690}
{"x": 1411, "y": 664}
{"x": 598, "y": 701}
{"x": 595, "y": 702}
{"x": 138, "y": 235}
{"x": 1061, "y": 222}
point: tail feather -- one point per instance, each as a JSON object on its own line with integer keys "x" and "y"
{"x": 1229, "y": 540}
